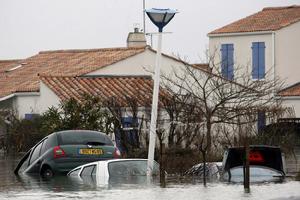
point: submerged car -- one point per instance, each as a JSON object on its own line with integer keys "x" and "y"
{"x": 212, "y": 171}
{"x": 116, "y": 171}
{"x": 266, "y": 164}
{"x": 62, "y": 151}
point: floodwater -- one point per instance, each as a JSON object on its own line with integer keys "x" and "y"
{"x": 28, "y": 187}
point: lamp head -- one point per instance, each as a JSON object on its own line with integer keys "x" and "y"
{"x": 160, "y": 17}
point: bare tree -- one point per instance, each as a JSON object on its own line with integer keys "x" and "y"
{"x": 219, "y": 101}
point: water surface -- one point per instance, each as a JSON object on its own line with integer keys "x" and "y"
{"x": 34, "y": 187}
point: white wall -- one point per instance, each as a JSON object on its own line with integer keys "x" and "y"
{"x": 47, "y": 98}
{"x": 242, "y": 52}
{"x": 292, "y": 102}
{"x": 26, "y": 104}
{"x": 141, "y": 64}
{"x": 288, "y": 53}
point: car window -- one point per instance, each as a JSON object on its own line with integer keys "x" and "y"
{"x": 36, "y": 153}
{"x": 78, "y": 137}
{"x": 44, "y": 146}
{"x": 88, "y": 170}
{"x": 24, "y": 165}
{"x": 130, "y": 168}
{"x": 75, "y": 172}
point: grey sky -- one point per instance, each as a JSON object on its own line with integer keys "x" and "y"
{"x": 30, "y": 26}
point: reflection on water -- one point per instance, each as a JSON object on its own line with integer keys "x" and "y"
{"x": 34, "y": 187}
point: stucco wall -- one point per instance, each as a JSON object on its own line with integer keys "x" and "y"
{"x": 288, "y": 53}
{"x": 141, "y": 64}
{"x": 26, "y": 104}
{"x": 242, "y": 53}
{"x": 47, "y": 98}
{"x": 293, "y": 102}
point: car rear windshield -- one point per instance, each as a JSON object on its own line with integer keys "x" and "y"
{"x": 77, "y": 137}
{"x": 259, "y": 156}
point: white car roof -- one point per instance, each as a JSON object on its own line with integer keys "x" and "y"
{"x": 108, "y": 161}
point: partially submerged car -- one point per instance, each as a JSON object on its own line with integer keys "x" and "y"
{"x": 62, "y": 151}
{"x": 267, "y": 164}
{"x": 212, "y": 171}
{"x": 116, "y": 171}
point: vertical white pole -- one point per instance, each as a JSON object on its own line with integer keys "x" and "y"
{"x": 152, "y": 139}
{"x": 144, "y": 26}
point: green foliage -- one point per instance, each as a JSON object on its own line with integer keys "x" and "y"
{"x": 25, "y": 133}
{"x": 88, "y": 114}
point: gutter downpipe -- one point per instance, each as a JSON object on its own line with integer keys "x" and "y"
{"x": 273, "y": 58}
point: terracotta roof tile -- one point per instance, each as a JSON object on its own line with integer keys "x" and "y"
{"x": 57, "y": 63}
{"x": 269, "y": 19}
{"x": 118, "y": 87}
{"x": 293, "y": 90}
{"x": 8, "y": 64}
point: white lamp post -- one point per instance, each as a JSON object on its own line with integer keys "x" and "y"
{"x": 160, "y": 17}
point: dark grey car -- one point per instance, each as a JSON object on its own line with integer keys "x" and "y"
{"x": 62, "y": 151}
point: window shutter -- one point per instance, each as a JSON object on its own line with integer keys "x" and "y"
{"x": 224, "y": 53}
{"x": 230, "y": 62}
{"x": 261, "y": 60}
{"x": 255, "y": 58}
{"x": 261, "y": 120}
{"x": 227, "y": 61}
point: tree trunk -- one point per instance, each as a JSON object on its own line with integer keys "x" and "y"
{"x": 246, "y": 166}
{"x": 162, "y": 165}
{"x": 204, "y": 166}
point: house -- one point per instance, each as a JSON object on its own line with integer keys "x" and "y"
{"x": 22, "y": 89}
{"x": 265, "y": 44}
{"x": 265, "y": 41}
{"x": 291, "y": 97}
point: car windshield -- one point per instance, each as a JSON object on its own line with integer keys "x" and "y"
{"x": 130, "y": 168}
{"x": 81, "y": 137}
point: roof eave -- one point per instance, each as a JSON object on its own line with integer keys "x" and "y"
{"x": 19, "y": 94}
{"x": 240, "y": 33}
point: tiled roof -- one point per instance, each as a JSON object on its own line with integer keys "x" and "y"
{"x": 293, "y": 90}
{"x": 7, "y": 64}
{"x": 269, "y": 19}
{"x": 104, "y": 87}
{"x": 56, "y": 63}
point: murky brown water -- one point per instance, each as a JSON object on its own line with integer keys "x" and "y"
{"x": 28, "y": 187}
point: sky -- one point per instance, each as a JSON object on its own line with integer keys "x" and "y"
{"x": 30, "y": 26}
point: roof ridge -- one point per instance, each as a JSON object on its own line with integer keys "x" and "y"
{"x": 281, "y": 7}
{"x": 91, "y": 50}
{"x": 95, "y": 76}
{"x": 11, "y": 60}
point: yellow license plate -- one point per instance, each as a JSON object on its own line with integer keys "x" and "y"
{"x": 91, "y": 151}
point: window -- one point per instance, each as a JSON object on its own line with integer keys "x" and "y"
{"x": 36, "y": 153}
{"x": 75, "y": 172}
{"x": 89, "y": 170}
{"x": 258, "y": 60}
{"x": 227, "y": 61}
{"x": 31, "y": 116}
{"x": 45, "y": 146}
{"x": 261, "y": 120}
{"x": 78, "y": 137}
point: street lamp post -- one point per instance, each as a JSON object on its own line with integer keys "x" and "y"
{"x": 160, "y": 17}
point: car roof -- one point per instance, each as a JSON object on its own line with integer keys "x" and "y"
{"x": 109, "y": 161}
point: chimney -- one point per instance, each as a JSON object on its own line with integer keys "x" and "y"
{"x": 136, "y": 39}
